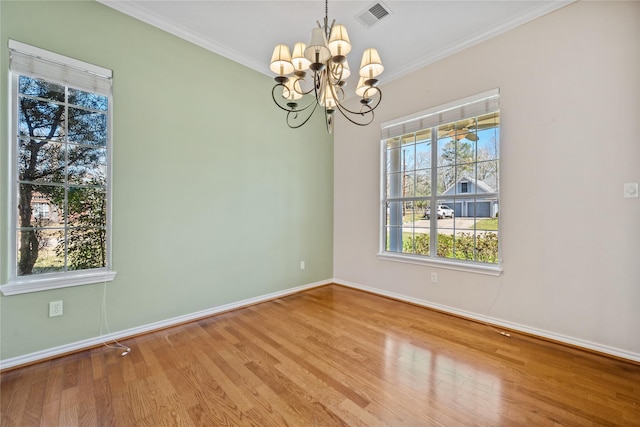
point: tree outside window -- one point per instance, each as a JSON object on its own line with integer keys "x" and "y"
{"x": 62, "y": 158}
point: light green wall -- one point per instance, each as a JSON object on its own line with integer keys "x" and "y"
{"x": 215, "y": 200}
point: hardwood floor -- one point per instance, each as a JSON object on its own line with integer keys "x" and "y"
{"x": 330, "y": 356}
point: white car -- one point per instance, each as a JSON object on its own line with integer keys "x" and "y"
{"x": 443, "y": 211}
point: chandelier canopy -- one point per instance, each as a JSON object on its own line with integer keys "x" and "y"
{"x": 329, "y": 69}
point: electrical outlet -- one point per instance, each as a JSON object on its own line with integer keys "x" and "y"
{"x": 434, "y": 277}
{"x": 631, "y": 190}
{"x": 301, "y": 265}
{"x": 55, "y": 308}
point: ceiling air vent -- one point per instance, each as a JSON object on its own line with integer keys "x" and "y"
{"x": 373, "y": 14}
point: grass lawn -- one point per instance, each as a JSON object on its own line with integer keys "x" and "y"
{"x": 487, "y": 224}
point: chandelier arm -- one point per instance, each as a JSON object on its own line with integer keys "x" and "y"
{"x": 349, "y": 114}
{"x": 273, "y": 96}
{"x": 315, "y": 105}
{"x": 334, "y": 71}
{"x": 379, "y": 92}
{"x": 369, "y": 108}
{"x": 346, "y": 112}
{"x": 307, "y": 92}
{"x": 338, "y": 94}
{"x": 286, "y": 108}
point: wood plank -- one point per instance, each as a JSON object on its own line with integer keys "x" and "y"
{"x": 326, "y": 356}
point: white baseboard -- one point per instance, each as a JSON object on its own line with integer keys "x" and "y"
{"x": 623, "y": 354}
{"x": 121, "y": 335}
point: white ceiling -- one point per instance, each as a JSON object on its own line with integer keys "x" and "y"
{"x": 415, "y": 34}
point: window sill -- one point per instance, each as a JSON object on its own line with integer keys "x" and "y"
{"x": 491, "y": 270}
{"x": 46, "y": 282}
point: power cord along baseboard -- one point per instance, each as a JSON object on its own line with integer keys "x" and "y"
{"x": 104, "y": 325}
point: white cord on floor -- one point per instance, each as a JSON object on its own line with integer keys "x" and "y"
{"x": 105, "y": 322}
{"x": 495, "y": 299}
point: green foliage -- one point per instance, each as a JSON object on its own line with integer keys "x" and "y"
{"x": 417, "y": 245}
{"x": 462, "y": 246}
{"x": 86, "y": 239}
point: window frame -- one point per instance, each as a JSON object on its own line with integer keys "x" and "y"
{"x": 422, "y": 121}
{"x": 85, "y": 72}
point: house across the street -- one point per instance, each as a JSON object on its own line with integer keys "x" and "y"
{"x": 484, "y": 204}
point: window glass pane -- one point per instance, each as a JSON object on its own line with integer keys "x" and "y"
{"x": 446, "y": 152}
{"x": 423, "y": 155}
{"x": 423, "y": 183}
{"x": 40, "y": 161}
{"x": 87, "y": 165}
{"x": 44, "y": 242}
{"x": 408, "y": 139}
{"x": 408, "y": 184}
{"x": 87, "y": 207}
{"x": 408, "y": 158}
{"x": 394, "y": 213}
{"x": 463, "y": 173}
{"x": 488, "y": 177}
{"x": 487, "y": 247}
{"x": 394, "y": 231}
{"x": 489, "y": 137}
{"x": 394, "y": 239}
{"x": 40, "y": 88}
{"x": 392, "y": 143}
{"x": 41, "y": 119}
{"x": 446, "y": 179}
{"x": 87, "y": 127}
{"x": 86, "y": 248}
{"x": 423, "y": 136}
{"x": 88, "y": 100}
{"x": 31, "y": 201}
{"x": 465, "y": 155}
{"x": 394, "y": 185}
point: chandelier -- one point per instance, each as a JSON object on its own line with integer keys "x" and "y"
{"x": 329, "y": 69}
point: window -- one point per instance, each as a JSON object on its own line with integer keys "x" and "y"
{"x": 60, "y": 165}
{"x": 440, "y": 186}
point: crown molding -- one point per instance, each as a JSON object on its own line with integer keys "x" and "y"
{"x": 144, "y": 15}
{"x": 503, "y": 27}
{"x": 160, "y": 22}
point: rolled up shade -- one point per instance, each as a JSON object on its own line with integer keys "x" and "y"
{"x": 36, "y": 62}
{"x": 483, "y": 103}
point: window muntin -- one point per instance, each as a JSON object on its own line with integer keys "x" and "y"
{"x": 464, "y": 226}
{"x": 61, "y": 172}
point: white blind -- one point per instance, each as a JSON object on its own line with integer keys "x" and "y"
{"x": 36, "y": 62}
{"x": 483, "y": 103}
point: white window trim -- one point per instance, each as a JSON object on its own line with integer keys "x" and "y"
{"x": 394, "y": 127}
{"x": 43, "y": 282}
{"x": 40, "y": 282}
{"x": 466, "y": 266}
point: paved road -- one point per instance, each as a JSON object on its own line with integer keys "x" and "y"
{"x": 445, "y": 225}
